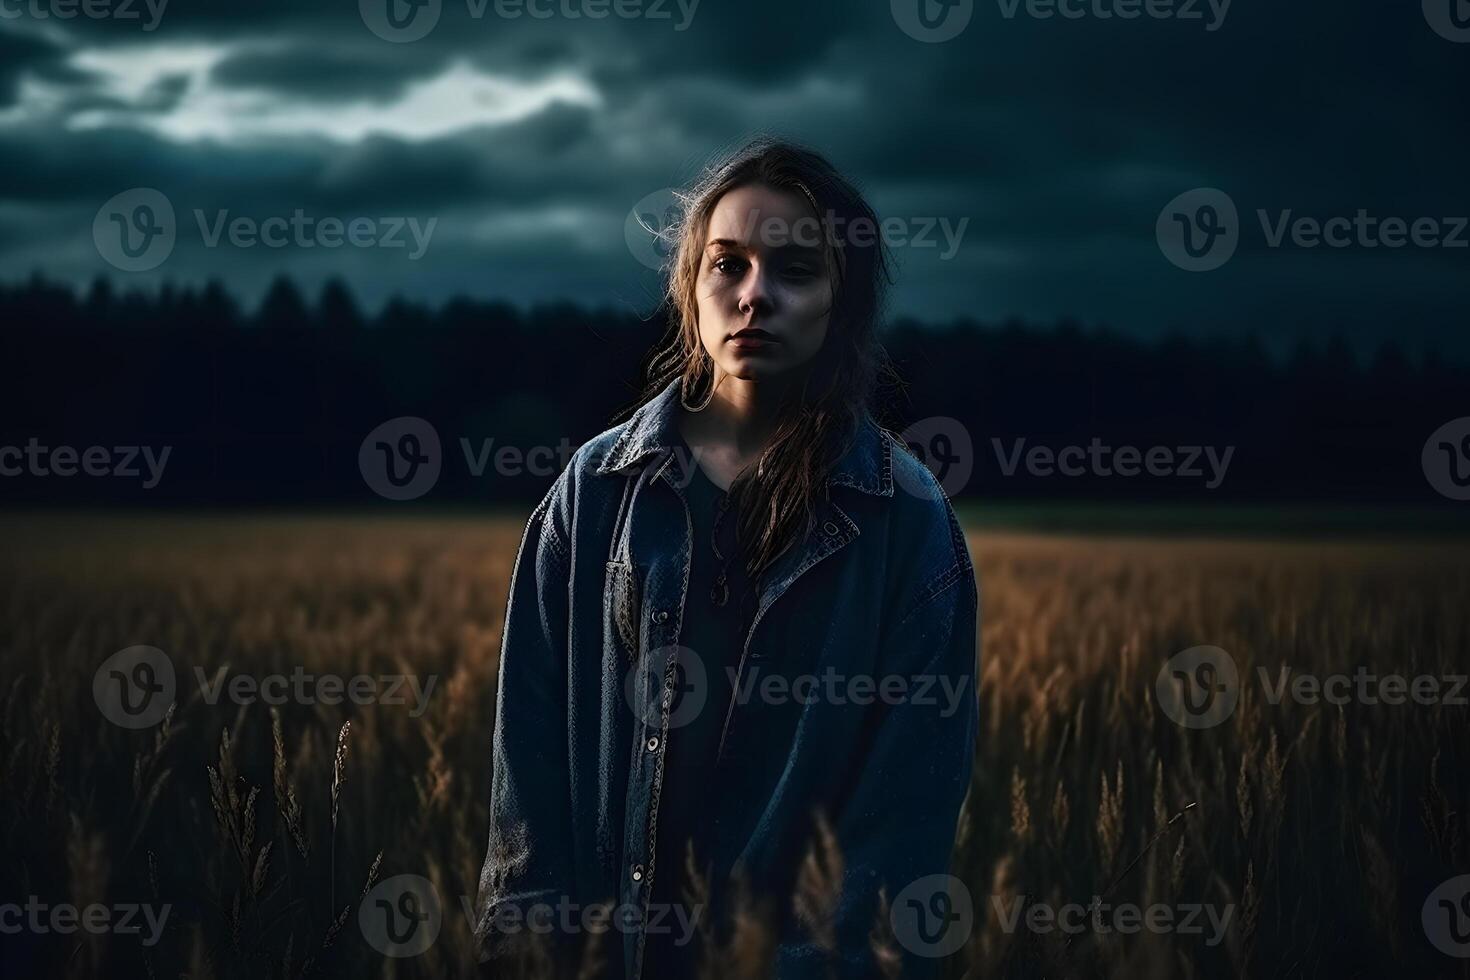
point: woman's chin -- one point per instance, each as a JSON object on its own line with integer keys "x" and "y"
{"x": 756, "y": 368}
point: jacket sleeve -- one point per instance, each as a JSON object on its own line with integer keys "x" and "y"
{"x": 898, "y": 826}
{"x": 527, "y": 866}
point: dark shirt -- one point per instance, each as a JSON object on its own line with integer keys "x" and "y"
{"x": 712, "y": 636}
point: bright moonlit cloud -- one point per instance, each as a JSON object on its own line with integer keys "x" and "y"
{"x": 458, "y": 98}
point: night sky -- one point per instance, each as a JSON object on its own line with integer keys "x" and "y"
{"x": 1047, "y": 146}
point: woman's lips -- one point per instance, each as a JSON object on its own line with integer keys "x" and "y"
{"x": 751, "y": 341}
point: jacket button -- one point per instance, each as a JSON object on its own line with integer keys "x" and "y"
{"x": 830, "y": 528}
{"x": 653, "y": 744}
{"x": 662, "y": 616}
{"x": 637, "y": 872}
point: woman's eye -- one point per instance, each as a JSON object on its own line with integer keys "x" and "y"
{"x": 728, "y": 266}
{"x": 800, "y": 271}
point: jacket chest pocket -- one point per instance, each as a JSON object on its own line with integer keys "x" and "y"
{"x": 620, "y": 607}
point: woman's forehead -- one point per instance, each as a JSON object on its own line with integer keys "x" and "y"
{"x": 741, "y": 213}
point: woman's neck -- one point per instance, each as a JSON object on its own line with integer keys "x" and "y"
{"x": 732, "y": 430}
{"x": 742, "y": 415}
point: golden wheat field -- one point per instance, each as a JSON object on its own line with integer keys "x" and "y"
{"x": 1317, "y": 831}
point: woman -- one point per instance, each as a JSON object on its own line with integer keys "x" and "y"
{"x": 741, "y": 629}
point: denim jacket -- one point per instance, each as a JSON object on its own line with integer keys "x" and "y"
{"x": 880, "y": 594}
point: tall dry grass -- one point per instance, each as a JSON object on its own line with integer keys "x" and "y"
{"x": 1323, "y": 828}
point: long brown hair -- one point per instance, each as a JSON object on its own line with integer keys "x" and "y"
{"x": 775, "y": 499}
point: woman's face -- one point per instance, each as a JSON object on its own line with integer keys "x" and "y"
{"x": 764, "y": 289}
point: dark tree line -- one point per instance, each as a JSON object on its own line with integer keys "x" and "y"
{"x": 271, "y": 406}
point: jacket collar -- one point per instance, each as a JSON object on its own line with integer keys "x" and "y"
{"x": 867, "y": 465}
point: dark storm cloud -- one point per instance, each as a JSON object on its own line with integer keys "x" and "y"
{"x": 21, "y": 54}
{"x": 1058, "y": 140}
{"x": 320, "y": 72}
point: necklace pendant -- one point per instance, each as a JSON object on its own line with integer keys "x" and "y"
{"x": 719, "y": 592}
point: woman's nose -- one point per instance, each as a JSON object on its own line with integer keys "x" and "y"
{"x": 755, "y": 294}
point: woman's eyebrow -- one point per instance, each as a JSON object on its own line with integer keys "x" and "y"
{"x": 784, "y": 248}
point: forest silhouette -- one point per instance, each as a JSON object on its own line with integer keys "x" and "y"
{"x": 270, "y": 406}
